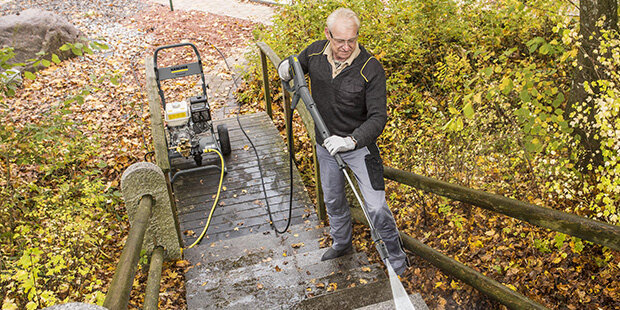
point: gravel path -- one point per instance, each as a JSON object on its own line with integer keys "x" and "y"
{"x": 248, "y": 10}
{"x": 107, "y": 10}
{"x": 97, "y": 19}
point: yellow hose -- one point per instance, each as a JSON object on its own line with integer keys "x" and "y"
{"x": 217, "y": 197}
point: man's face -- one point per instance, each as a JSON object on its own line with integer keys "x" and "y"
{"x": 343, "y": 38}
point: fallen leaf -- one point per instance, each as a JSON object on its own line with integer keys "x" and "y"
{"x": 332, "y": 287}
{"x": 182, "y": 263}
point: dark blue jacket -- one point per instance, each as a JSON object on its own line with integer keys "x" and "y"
{"x": 354, "y": 102}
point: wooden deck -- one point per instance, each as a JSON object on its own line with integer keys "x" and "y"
{"x": 241, "y": 209}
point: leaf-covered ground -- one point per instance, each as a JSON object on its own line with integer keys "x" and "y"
{"x": 114, "y": 110}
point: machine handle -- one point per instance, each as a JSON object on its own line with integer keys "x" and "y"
{"x": 157, "y": 73}
{"x": 173, "y": 46}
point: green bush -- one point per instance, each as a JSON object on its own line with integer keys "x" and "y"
{"x": 56, "y": 211}
{"x": 472, "y": 83}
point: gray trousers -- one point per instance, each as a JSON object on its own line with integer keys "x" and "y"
{"x": 363, "y": 163}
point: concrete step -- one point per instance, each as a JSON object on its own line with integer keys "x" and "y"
{"x": 232, "y": 258}
{"x": 371, "y": 296}
{"x": 350, "y": 297}
{"x": 256, "y": 247}
{"x": 279, "y": 282}
{"x": 342, "y": 280}
{"x": 416, "y": 300}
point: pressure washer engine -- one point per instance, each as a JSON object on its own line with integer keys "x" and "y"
{"x": 188, "y": 122}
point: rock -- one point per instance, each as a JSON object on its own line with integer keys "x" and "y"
{"x": 33, "y": 31}
{"x": 145, "y": 178}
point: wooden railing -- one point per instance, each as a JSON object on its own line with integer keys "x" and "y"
{"x": 598, "y": 232}
{"x": 595, "y": 231}
{"x": 120, "y": 288}
{"x": 267, "y": 53}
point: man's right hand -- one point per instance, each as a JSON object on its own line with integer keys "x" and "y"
{"x": 337, "y": 144}
{"x": 283, "y": 70}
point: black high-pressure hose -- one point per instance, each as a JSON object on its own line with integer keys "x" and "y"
{"x": 290, "y": 151}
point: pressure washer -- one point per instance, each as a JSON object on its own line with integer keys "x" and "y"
{"x": 188, "y": 123}
{"x": 189, "y": 127}
{"x": 300, "y": 91}
{"x": 190, "y": 131}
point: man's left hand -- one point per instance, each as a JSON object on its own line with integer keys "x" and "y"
{"x": 336, "y": 144}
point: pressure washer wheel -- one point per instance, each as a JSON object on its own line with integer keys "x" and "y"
{"x": 198, "y": 159}
{"x": 222, "y": 133}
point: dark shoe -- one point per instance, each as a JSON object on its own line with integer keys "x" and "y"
{"x": 331, "y": 253}
{"x": 402, "y": 269}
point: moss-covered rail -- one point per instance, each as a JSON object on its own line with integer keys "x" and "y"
{"x": 595, "y": 231}
{"x": 588, "y": 229}
{"x": 120, "y": 288}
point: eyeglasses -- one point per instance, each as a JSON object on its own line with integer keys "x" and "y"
{"x": 340, "y": 42}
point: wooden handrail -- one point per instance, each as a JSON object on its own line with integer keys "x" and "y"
{"x": 117, "y": 297}
{"x": 160, "y": 147}
{"x": 570, "y": 224}
{"x": 267, "y": 53}
{"x": 301, "y": 108}
{"x": 151, "y": 295}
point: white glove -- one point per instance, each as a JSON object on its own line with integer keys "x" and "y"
{"x": 336, "y": 144}
{"x": 283, "y": 70}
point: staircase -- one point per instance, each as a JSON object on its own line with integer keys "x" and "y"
{"x": 241, "y": 263}
{"x": 264, "y": 271}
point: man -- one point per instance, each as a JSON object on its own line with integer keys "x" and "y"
{"x": 348, "y": 86}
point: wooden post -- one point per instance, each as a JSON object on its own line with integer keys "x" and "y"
{"x": 318, "y": 190}
{"x": 151, "y": 295}
{"x": 173, "y": 205}
{"x": 263, "y": 60}
{"x": 120, "y": 288}
{"x": 288, "y": 117}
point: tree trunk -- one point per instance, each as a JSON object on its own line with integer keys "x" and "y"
{"x": 588, "y": 70}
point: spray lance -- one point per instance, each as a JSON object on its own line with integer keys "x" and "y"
{"x": 300, "y": 91}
